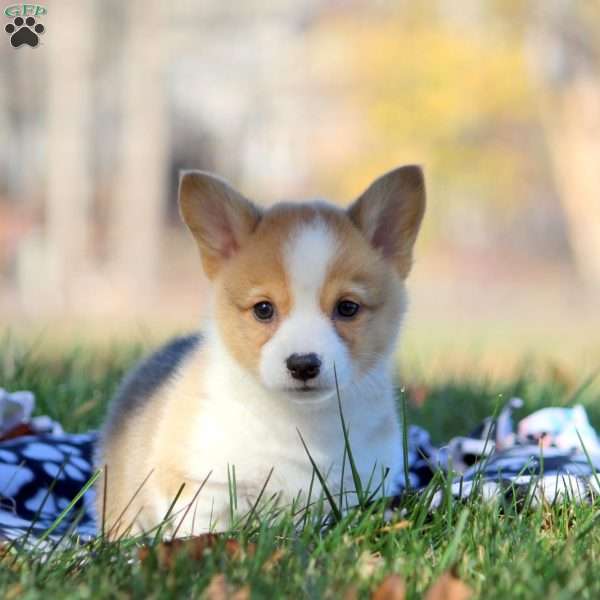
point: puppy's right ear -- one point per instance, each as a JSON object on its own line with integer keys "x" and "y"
{"x": 218, "y": 216}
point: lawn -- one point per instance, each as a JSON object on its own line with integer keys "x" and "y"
{"x": 497, "y": 550}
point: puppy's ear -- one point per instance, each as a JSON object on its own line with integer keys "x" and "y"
{"x": 219, "y": 218}
{"x": 389, "y": 213}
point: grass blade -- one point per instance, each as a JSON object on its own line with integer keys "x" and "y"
{"x": 334, "y": 508}
{"x": 358, "y": 488}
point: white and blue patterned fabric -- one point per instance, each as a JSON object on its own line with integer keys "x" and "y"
{"x": 40, "y": 476}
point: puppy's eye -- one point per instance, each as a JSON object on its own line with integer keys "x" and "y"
{"x": 346, "y": 309}
{"x": 263, "y": 311}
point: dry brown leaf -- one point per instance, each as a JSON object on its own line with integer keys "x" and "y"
{"x": 369, "y": 563}
{"x": 418, "y": 394}
{"x": 8, "y": 559}
{"x": 397, "y": 526}
{"x": 85, "y": 408}
{"x": 391, "y": 588}
{"x": 391, "y": 527}
{"x": 448, "y": 587}
{"x": 233, "y": 549}
{"x": 273, "y": 560}
{"x": 562, "y": 376}
{"x": 4, "y": 550}
{"x": 195, "y": 547}
{"x": 236, "y": 551}
{"x": 143, "y": 553}
{"x": 351, "y": 593}
{"x": 242, "y": 594}
{"x": 13, "y": 592}
{"x": 220, "y": 589}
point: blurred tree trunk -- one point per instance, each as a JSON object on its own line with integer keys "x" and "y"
{"x": 139, "y": 198}
{"x": 572, "y": 123}
{"x": 68, "y": 183}
{"x": 566, "y": 46}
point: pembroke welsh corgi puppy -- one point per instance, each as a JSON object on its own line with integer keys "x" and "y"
{"x": 306, "y": 298}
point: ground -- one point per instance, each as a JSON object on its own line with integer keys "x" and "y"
{"x": 498, "y": 551}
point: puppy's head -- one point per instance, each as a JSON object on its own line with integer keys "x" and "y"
{"x": 305, "y": 292}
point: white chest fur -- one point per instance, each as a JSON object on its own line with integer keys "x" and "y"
{"x": 238, "y": 424}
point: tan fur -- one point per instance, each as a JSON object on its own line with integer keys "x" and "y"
{"x": 154, "y": 451}
{"x": 360, "y": 274}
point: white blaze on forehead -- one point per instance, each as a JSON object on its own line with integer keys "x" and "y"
{"x": 306, "y": 329}
{"x": 307, "y": 256}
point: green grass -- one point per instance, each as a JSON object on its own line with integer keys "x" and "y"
{"x": 501, "y": 552}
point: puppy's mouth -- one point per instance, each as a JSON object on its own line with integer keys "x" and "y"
{"x": 307, "y": 393}
{"x": 305, "y": 389}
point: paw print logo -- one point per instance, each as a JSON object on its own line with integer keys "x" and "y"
{"x": 24, "y": 31}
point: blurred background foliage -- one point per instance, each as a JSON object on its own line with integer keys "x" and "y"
{"x": 499, "y": 101}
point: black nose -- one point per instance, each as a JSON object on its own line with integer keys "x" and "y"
{"x": 303, "y": 366}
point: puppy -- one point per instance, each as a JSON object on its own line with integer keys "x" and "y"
{"x": 307, "y": 301}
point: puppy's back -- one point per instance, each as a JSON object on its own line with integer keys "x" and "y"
{"x": 141, "y": 384}
{"x": 119, "y": 442}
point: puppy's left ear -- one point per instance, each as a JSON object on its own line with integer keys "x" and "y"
{"x": 389, "y": 213}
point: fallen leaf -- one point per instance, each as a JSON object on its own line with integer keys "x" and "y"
{"x": 236, "y": 551}
{"x": 220, "y": 589}
{"x": 397, "y": 526}
{"x": 86, "y": 407}
{"x": 562, "y": 376}
{"x": 369, "y": 563}
{"x": 196, "y": 548}
{"x": 242, "y": 594}
{"x": 273, "y": 560}
{"x": 4, "y": 549}
{"x": 351, "y": 593}
{"x": 143, "y": 553}
{"x": 418, "y": 395}
{"x": 391, "y": 588}
{"x": 233, "y": 548}
{"x": 13, "y": 592}
{"x": 448, "y": 587}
